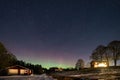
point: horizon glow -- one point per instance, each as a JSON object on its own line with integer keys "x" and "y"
{"x": 50, "y": 64}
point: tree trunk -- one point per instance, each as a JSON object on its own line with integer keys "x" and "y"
{"x": 115, "y": 59}
{"x": 115, "y": 62}
{"x": 107, "y": 61}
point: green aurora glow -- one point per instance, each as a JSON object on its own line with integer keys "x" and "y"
{"x": 51, "y": 64}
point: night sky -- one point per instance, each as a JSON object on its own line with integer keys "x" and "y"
{"x": 58, "y": 32}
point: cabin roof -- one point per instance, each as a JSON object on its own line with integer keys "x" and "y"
{"x": 17, "y": 67}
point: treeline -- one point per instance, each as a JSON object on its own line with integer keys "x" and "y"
{"x": 109, "y": 53}
{"x": 36, "y": 69}
{"x": 8, "y": 59}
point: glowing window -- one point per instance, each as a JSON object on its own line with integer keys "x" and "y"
{"x": 22, "y": 71}
{"x": 13, "y": 71}
{"x": 102, "y": 65}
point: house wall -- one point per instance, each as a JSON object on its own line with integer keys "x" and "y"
{"x": 98, "y": 64}
{"x": 18, "y": 72}
{"x": 22, "y": 71}
{"x": 12, "y": 71}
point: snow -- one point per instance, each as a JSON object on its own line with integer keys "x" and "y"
{"x": 32, "y": 77}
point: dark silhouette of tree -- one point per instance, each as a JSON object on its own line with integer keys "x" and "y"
{"x": 107, "y": 55}
{"x": 110, "y": 52}
{"x": 21, "y": 63}
{"x": 2, "y": 49}
{"x": 37, "y": 69}
{"x": 114, "y": 47}
{"x": 80, "y": 64}
{"x": 101, "y": 53}
{"x": 98, "y": 53}
{"x": 6, "y": 58}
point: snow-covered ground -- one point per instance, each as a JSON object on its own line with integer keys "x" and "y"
{"x": 32, "y": 77}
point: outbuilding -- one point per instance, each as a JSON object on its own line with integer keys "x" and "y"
{"x": 97, "y": 64}
{"x": 18, "y": 70}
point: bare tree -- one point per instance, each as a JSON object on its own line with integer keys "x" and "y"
{"x": 98, "y": 53}
{"x": 107, "y": 55}
{"x": 101, "y": 53}
{"x": 80, "y": 64}
{"x": 114, "y": 47}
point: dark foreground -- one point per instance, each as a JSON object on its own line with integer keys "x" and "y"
{"x": 96, "y": 74}
{"x": 65, "y": 77}
{"x": 88, "y": 77}
{"x": 33, "y": 77}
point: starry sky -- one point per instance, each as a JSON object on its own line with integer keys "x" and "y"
{"x": 58, "y": 32}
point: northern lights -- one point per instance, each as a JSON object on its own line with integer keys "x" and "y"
{"x": 56, "y": 33}
{"x": 47, "y": 64}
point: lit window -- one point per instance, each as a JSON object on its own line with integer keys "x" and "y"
{"x": 13, "y": 71}
{"x": 102, "y": 65}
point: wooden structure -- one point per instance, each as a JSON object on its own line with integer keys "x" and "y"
{"x": 97, "y": 64}
{"x": 18, "y": 70}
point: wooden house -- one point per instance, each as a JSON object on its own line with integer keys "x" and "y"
{"x": 97, "y": 64}
{"x": 18, "y": 70}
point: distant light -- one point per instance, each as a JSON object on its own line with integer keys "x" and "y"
{"x": 101, "y": 64}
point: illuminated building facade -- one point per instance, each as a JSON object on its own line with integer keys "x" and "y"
{"x": 97, "y": 64}
{"x": 18, "y": 70}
